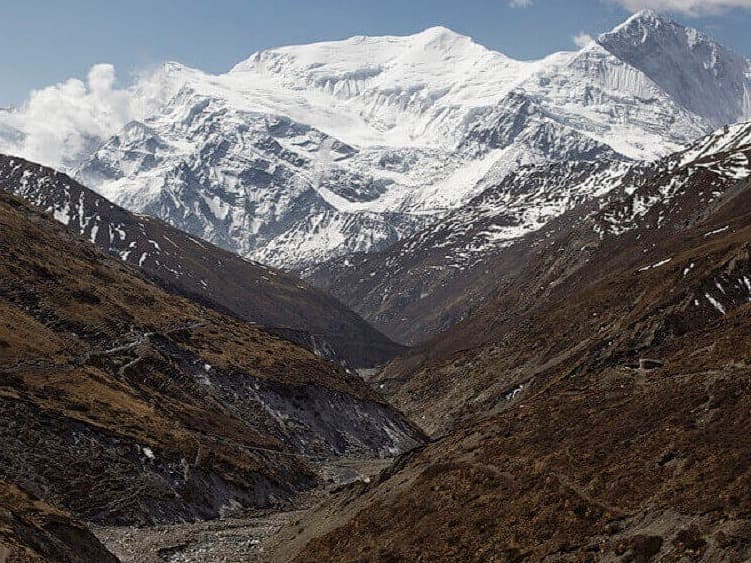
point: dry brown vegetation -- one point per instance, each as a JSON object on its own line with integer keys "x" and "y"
{"x": 124, "y": 403}
{"x": 551, "y": 444}
{"x": 201, "y": 271}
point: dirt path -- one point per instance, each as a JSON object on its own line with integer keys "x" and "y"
{"x": 248, "y": 538}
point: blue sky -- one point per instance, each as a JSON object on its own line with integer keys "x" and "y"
{"x": 46, "y": 41}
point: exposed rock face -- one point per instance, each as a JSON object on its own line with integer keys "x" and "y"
{"x": 126, "y": 404}
{"x": 34, "y": 532}
{"x": 199, "y": 270}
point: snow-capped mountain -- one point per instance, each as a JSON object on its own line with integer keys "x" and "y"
{"x": 305, "y": 153}
{"x": 434, "y": 278}
{"x": 700, "y": 75}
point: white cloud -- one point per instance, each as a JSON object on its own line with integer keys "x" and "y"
{"x": 60, "y": 122}
{"x": 688, "y": 7}
{"x": 581, "y": 40}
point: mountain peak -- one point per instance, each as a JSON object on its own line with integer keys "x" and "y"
{"x": 646, "y": 15}
{"x": 441, "y": 38}
{"x": 641, "y": 24}
{"x": 701, "y": 75}
{"x": 428, "y": 34}
{"x": 440, "y": 32}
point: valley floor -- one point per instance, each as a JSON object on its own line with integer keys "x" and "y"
{"x": 258, "y": 536}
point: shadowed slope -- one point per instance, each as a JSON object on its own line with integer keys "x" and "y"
{"x": 202, "y": 271}
{"x": 34, "y": 532}
{"x": 124, "y": 403}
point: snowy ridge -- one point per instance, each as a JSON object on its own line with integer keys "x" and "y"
{"x": 699, "y": 74}
{"x": 704, "y": 171}
{"x": 91, "y": 216}
{"x": 286, "y": 306}
{"x": 520, "y": 204}
{"x": 306, "y": 153}
{"x": 728, "y": 139}
{"x": 414, "y": 90}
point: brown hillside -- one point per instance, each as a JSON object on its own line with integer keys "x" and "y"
{"x": 124, "y": 403}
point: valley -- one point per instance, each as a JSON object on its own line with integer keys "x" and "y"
{"x": 145, "y": 408}
{"x": 260, "y": 536}
{"x": 390, "y": 298}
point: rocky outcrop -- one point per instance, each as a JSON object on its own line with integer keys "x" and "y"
{"x": 126, "y": 404}
{"x": 34, "y": 532}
